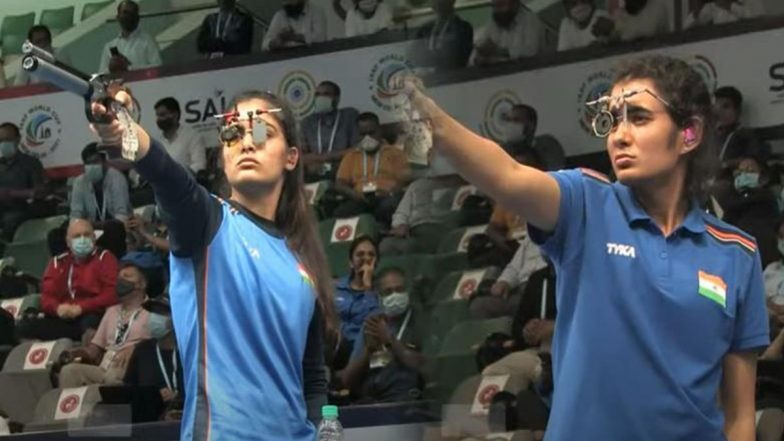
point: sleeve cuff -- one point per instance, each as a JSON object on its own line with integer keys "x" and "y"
{"x": 750, "y": 343}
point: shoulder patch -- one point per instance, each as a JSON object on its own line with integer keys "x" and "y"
{"x": 593, "y": 174}
{"x": 731, "y": 237}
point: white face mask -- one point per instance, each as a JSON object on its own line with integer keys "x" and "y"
{"x": 395, "y": 304}
{"x": 513, "y": 131}
{"x": 322, "y": 104}
{"x": 368, "y": 6}
{"x": 369, "y": 144}
{"x": 581, "y": 13}
{"x": 93, "y": 172}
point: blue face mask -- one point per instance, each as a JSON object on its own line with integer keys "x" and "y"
{"x": 82, "y": 246}
{"x": 746, "y": 180}
{"x": 93, "y": 172}
{"x": 159, "y": 325}
{"x": 7, "y": 149}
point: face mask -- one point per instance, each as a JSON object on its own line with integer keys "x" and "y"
{"x": 781, "y": 247}
{"x": 369, "y": 144}
{"x": 368, "y": 6}
{"x": 513, "y": 131}
{"x": 124, "y": 287}
{"x": 7, "y": 149}
{"x": 93, "y": 172}
{"x": 159, "y": 325}
{"x": 323, "y": 104}
{"x": 581, "y": 13}
{"x": 82, "y": 246}
{"x": 746, "y": 180}
{"x": 128, "y": 23}
{"x": 294, "y": 11}
{"x": 165, "y": 124}
{"x": 396, "y": 303}
{"x": 439, "y": 166}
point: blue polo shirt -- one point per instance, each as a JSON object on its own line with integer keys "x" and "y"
{"x": 353, "y": 307}
{"x": 644, "y": 320}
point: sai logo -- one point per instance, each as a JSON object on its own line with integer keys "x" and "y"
{"x": 382, "y": 81}
{"x": 298, "y": 88}
{"x": 41, "y": 128}
{"x": 595, "y": 86}
{"x": 497, "y": 114}
{"x": 706, "y": 69}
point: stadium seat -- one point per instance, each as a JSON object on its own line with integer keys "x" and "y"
{"x": 23, "y": 382}
{"x": 456, "y": 241}
{"x": 61, "y": 409}
{"x": 16, "y": 306}
{"x": 31, "y": 257}
{"x": 337, "y": 235}
{"x": 37, "y": 229}
{"x": 443, "y": 317}
{"x": 13, "y": 32}
{"x": 89, "y": 9}
{"x": 314, "y": 191}
{"x": 458, "y": 283}
{"x": 433, "y": 268}
{"x": 57, "y": 20}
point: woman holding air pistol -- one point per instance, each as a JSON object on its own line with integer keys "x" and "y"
{"x": 251, "y": 298}
{"x": 661, "y": 308}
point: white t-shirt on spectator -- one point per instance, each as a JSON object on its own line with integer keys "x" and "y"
{"x": 140, "y": 48}
{"x": 357, "y": 24}
{"x": 712, "y": 14}
{"x": 652, "y": 20}
{"x": 187, "y": 148}
{"x": 774, "y": 279}
{"x": 570, "y": 36}
{"x": 312, "y": 24}
{"x": 523, "y": 38}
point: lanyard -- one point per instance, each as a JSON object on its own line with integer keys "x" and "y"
{"x": 220, "y": 34}
{"x": 100, "y": 211}
{"x": 331, "y": 138}
{"x": 375, "y": 167}
{"x": 436, "y": 41}
{"x": 403, "y": 326}
{"x": 543, "y": 310}
{"x": 170, "y": 383}
{"x": 120, "y": 339}
{"x": 726, "y": 143}
{"x": 70, "y": 282}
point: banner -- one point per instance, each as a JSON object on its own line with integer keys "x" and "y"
{"x": 54, "y": 128}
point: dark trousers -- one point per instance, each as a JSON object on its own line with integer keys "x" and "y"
{"x": 51, "y": 328}
{"x": 382, "y": 208}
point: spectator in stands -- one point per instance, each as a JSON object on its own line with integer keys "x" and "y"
{"x": 21, "y": 179}
{"x": 100, "y": 195}
{"x": 299, "y": 23}
{"x": 774, "y": 278}
{"x": 387, "y": 359}
{"x": 328, "y": 132}
{"x": 367, "y": 17}
{"x": 41, "y": 36}
{"x": 415, "y": 221}
{"x": 736, "y": 141}
{"x": 373, "y": 174}
{"x": 577, "y": 27}
{"x": 520, "y": 138}
{"x": 635, "y": 20}
{"x": 133, "y": 48}
{"x": 506, "y": 292}
{"x": 155, "y": 362}
{"x": 449, "y": 39}
{"x": 105, "y": 359}
{"x": 183, "y": 143}
{"x": 226, "y": 32}
{"x": 355, "y": 298}
{"x": 752, "y": 206}
{"x": 705, "y": 13}
{"x": 77, "y": 287}
{"x": 513, "y": 33}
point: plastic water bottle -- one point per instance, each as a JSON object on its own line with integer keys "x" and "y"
{"x": 330, "y": 428}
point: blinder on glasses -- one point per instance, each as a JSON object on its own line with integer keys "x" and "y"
{"x": 232, "y": 129}
{"x": 613, "y": 110}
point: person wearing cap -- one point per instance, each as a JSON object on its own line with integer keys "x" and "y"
{"x": 156, "y": 362}
{"x": 123, "y": 326}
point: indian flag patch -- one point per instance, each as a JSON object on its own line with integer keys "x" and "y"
{"x": 304, "y": 274}
{"x": 713, "y": 287}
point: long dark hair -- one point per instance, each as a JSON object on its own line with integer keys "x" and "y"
{"x": 684, "y": 89}
{"x": 294, "y": 218}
